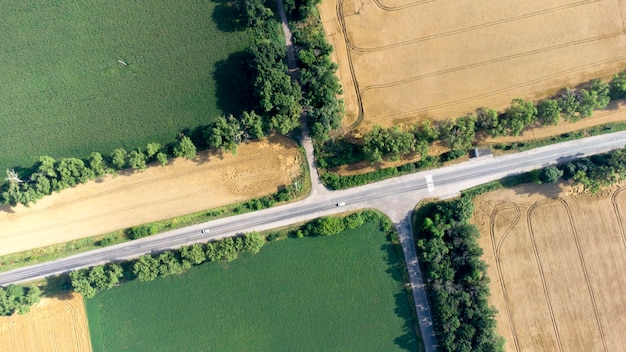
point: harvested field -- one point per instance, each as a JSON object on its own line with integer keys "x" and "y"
{"x": 556, "y": 264}
{"x": 404, "y": 61}
{"x": 55, "y": 324}
{"x": 183, "y": 187}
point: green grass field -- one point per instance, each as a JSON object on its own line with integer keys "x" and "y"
{"x": 63, "y": 92}
{"x": 340, "y": 293}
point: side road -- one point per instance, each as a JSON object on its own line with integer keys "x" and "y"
{"x": 402, "y": 225}
{"x": 388, "y": 195}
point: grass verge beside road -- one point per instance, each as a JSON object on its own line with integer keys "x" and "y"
{"x": 265, "y": 301}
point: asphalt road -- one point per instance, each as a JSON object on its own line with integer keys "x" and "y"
{"x": 396, "y": 197}
{"x": 447, "y": 181}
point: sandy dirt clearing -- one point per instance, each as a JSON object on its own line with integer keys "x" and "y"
{"x": 556, "y": 261}
{"x": 129, "y": 199}
{"x": 405, "y": 61}
{"x": 54, "y": 324}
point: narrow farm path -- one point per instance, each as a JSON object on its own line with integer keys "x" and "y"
{"x": 399, "y": 209}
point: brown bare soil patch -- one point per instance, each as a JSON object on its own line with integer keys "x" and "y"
{"x": 129, "y": 199}
{"x": 403, "y": 61}
{"x": 556, "y": 260}
{"x": 55, "y": 324}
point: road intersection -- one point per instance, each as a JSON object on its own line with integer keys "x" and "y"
{"x": 395, "y": 197}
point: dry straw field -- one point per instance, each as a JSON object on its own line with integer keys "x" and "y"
{"x": 556, "y": 264}
{"x": 55, "y": 324}
{"x": 183, "y": 187}
{"x": 406, "y": 60}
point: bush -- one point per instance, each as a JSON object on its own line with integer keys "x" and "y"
{"x": 452, "y": 154}
{"x": 142, "y": 231}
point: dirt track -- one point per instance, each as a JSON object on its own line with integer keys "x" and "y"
{"x": 55, "y": 324}
{"x": 556, "y": 264}
{"x": 404, "y": 61}
{"x": 183, "y": 187}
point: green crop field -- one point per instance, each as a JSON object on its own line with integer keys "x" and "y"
{"x": 63, "y": 91}
{"x": 339, "y": 293}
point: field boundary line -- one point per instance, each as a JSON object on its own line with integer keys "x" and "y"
{"x": 584, "y": 267}
{"x": 384, "y": 7}
{"x": 496, "y": 250}
{"x": 618, "y": 215}
{"x": 11, "y": 323}
{"x": 339, "y": 11}
{"x": 510, "y": 88}
{"x": 75, "y": 325}
{"x": 361, "y": 49}
{"x": 492, "y": 61}
{"x": 540, "y": 267}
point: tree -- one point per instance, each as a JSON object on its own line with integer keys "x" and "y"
{"x": 224, "y": 134}
{"x": 152, "y": 149}
{"x": 602, "y": 90}
{"x": 520, "y": 114}
{"x": 72, "y": 171}
{"x": 185, "y": 148}
{"x": 550, "y": 174}
{"x": 169, "y": 264}
{"x": 98, "y": 165}
{"x": 118, "y": 158}
{"x": 146, "y": 268}
{"x": 459, "y": 133}
{"x": 81, "y": 283}
{"x": 253, "y": 242}
{"x": 489, "y": 121}
{"x": 162, "y": 158}
{"x": 137, "y": 160}
{"x": 548, "y": 112}
{"x": 617, "y": 86}
{"x": 327, "y": 226}
{"x": 390, "y": 143}
{"x": 252, "y": 124}
{"x": 193, "y": 254}
{"x": 18, "y": 299}
{"x": 46, "y": 167}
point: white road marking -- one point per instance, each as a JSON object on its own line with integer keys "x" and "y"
{"x": 430, "y": 184}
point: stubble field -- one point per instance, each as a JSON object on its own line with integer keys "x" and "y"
{"x": 183, "y": 187}
{"x": 405, "y": 61}
{"x": 556, "y": 264}
{"x": 55, "y": 324}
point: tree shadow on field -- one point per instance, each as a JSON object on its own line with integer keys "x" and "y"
{"x": 227, "y": 16}
{"x": 407, "y": 340}
{"x": 59, "y": 286}
{"x": 5, "y": 208}
{"x": 233, "y": 84}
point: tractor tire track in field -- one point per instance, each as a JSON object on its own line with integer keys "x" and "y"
{"x": 119, "y": 189}
{"x": 362, "y": 50}
{"x": 510, "y": 88}
{"x": 496, "y": 250}
{"x": 594, "y": 301}
{"x": 384, "y": 7}
{"x": 111, "y": 212}
{"x": 344, "y": 30}
{"x": 540, "y": 268}
{"x": 69, "y": 308}
{"x": 618, "y": 215}
{"x": 492, "y": 61}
